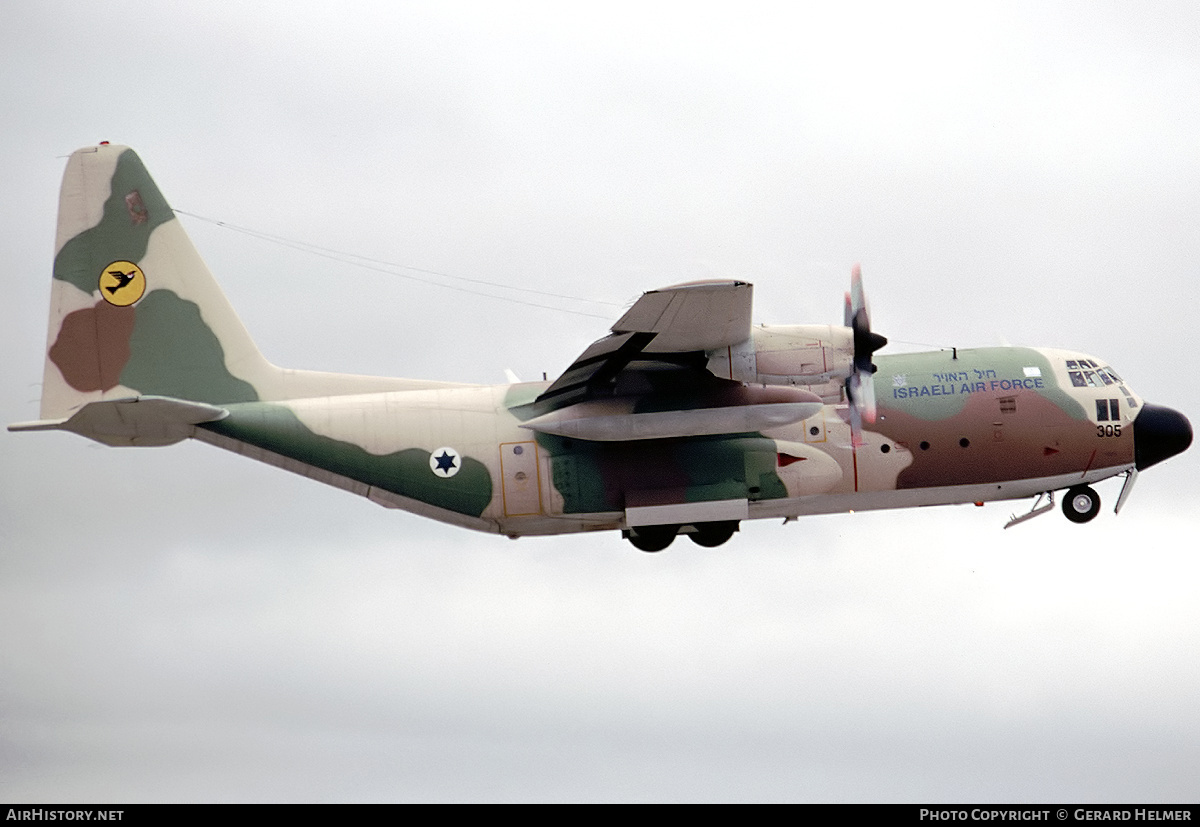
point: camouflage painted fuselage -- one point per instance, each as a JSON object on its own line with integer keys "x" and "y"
{"x": 975, "y": 425}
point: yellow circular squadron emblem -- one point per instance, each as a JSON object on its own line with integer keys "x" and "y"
{"x": 122, "y": 283}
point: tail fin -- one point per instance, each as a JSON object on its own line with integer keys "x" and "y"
{"x": 133, "y": 308}
{"x": 135, "y": 312}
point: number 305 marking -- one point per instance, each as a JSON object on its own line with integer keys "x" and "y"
{"x": 1108, "y": 430}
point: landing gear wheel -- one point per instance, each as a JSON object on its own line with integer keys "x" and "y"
{"x": 1081, "y": 504}
{"x": 653, "y": 537}
{"x": 711, "y": 535}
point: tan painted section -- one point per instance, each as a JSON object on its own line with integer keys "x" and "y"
{"x": 815, "y": 473}
{"x": 464, "y": 418}
{"x": 77, "y": 212}
{"x": 876, "y": 469}
{"x": 519, "y": 469}
{"x": 815, "y": 357}
{"x": 863, "y": 468}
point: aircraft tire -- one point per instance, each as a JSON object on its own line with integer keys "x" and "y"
{"x": 711, "y": 535}
{"x": 653, "y": 538}
{"x": 1081, "y": 504}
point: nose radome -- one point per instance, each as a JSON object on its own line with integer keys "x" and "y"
{"x": 1159, "y": 433}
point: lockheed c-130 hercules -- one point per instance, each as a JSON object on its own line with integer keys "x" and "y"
{"x": 684, "y": 419}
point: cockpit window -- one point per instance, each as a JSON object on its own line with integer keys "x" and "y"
{"x": 1129, "y": 400}
{"x": 1085, "y": 373}
{"x": 1085, "y": 377}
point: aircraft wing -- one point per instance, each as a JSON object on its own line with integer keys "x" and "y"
{"x": 700, "y": 315}
{"x": 667, "y": 328}
{"x": 649, "y": 378}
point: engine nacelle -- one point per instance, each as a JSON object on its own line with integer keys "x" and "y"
{"x": 819, "y": 357}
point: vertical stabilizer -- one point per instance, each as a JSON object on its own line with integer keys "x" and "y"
{"x": 133, "y": 308}
{"x": 134, "y": 311}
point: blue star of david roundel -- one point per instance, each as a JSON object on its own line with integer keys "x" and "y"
{"x": 445, "y": 462}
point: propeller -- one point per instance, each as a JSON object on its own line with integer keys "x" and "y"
{"x": 860, "y": 386}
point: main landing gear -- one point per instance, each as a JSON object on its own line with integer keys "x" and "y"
{"x": 652, "y": 537}
{"x": 658, "y": 537}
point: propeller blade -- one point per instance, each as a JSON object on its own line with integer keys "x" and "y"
{"x": 860, "y": 387}
{"x": 867, "y": 400}
{"x": 854, "y": 392}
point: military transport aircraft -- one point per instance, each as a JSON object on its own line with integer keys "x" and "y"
{"x": 684, "y": 419}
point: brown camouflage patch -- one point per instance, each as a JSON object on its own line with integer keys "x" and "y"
{"x": 136, "y": 208}
{"x": 996, "y": 439}
{"x": 92, "y": 347}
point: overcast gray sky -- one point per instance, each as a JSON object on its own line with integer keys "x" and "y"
{"x": 184, "y": 625}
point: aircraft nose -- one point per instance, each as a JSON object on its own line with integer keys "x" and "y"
{"x": 1159, "y": 433}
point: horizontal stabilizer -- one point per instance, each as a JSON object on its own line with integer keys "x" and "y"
{"x": 139, "y": 420}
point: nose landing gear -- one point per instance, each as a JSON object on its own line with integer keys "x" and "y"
{"x": 1081, "y": 504}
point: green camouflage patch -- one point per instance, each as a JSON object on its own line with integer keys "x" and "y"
{"x": 937, "y": 385}
{"x": 133, "y": 209}
{"x": 174, "y": 353}
{"x": 407, "y": 473}
{"x": 609, "y": 476}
